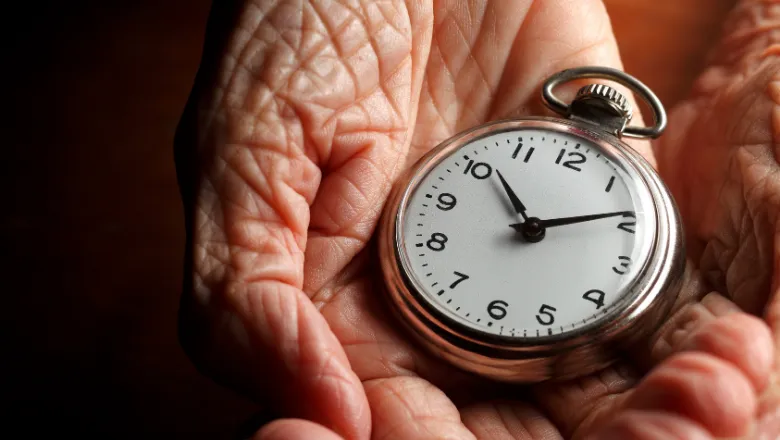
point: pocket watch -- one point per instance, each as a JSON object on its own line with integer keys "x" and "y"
{"x": 536, "y": 248}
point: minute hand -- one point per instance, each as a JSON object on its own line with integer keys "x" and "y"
{"x": 578, "y": 219}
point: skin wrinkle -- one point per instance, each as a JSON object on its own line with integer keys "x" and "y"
{"x": 491, "y": 110}
{"x": 356, "y": 339}
{"x": 733, "y": 263}
{"x": 230, "y": 65}
{"x": 235, "y": 98}
{"x": 589, "y": 398}
{"x": 682, "y": 323}
{"x": 474, "y": 91}
{"x": 317, "y": 50}
{"x": 434, "y": 134}
{"x": 340, "y": 54}
{"x": 410, "y": 411}
{"x": 381, "y": 83}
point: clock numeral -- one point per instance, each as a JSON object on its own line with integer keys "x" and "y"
{"x": 545, "y": 317}
{"x": 479, "y": 170}
{"x": 446, "y": 201}
{"x": 609, "y": 185}
{"x": 437, "y": 242}
{"x": 628, "y": 226}
{"x": 571, "y": 163}
{"x": 595, "y": 296}
{"x": 527, "y": 155}
{"x": 461, "y": 278}
{"x": 623, "y": 266}
{"x": 497, "y": 309}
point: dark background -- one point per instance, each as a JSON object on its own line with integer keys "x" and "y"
{"x": 91, "y": 224}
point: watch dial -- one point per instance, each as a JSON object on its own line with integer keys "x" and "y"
{"x": 527, "y": 233}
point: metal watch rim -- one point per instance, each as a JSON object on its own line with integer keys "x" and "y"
{"x": 476, "y": 352}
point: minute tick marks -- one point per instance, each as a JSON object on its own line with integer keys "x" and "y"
{"x": 466, "y": 232}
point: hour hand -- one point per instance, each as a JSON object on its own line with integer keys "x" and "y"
{"x": 516, "y": 203}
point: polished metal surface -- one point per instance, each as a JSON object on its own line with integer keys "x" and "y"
{"x": 593, "y": 348}
{"x": 615, "y": 125}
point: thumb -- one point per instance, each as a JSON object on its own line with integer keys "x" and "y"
{"x": 290, "y": 429}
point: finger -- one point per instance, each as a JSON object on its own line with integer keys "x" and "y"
{"x": 689, "y": 314}
{"x": 508, "y": 420}
{"x": 410, "y": 408}
{"x": 740, "y": 339}
{"x": 583, "y": 405}
{"x": 712, "y": 326}
{"x": 702, "y": 388}
{"x": 642, "y": 425}
{"x": 291, "y": 429}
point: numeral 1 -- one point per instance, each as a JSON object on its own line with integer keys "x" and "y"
{"x": 609, "y": 185}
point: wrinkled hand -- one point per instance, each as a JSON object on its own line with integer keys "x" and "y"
{"x": 303, "y": 115}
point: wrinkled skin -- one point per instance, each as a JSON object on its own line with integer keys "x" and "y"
{"x": 303, "y": 115}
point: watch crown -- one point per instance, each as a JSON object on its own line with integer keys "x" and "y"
{"x": 607, "y": 95}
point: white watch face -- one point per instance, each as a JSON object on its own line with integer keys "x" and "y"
{"x": 528, "y": 233}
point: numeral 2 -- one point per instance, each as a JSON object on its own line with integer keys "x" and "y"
{"x": 628, "y": 226}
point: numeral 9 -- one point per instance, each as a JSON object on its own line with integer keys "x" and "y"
{"x": 446, "y": 201}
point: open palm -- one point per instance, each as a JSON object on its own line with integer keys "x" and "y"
{"x": 304, "y": 114}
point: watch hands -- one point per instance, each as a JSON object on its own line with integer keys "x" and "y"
{"x": 572, "y": 220}
{"x": 516, "y": 203}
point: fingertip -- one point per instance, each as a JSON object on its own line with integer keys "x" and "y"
{"x": 310, "y": 376}
{"x": 295, "y": 429}
{"x": 701, "y": 387}
{"x": 741, "y": 339}
{"x": 641, "y": 425}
